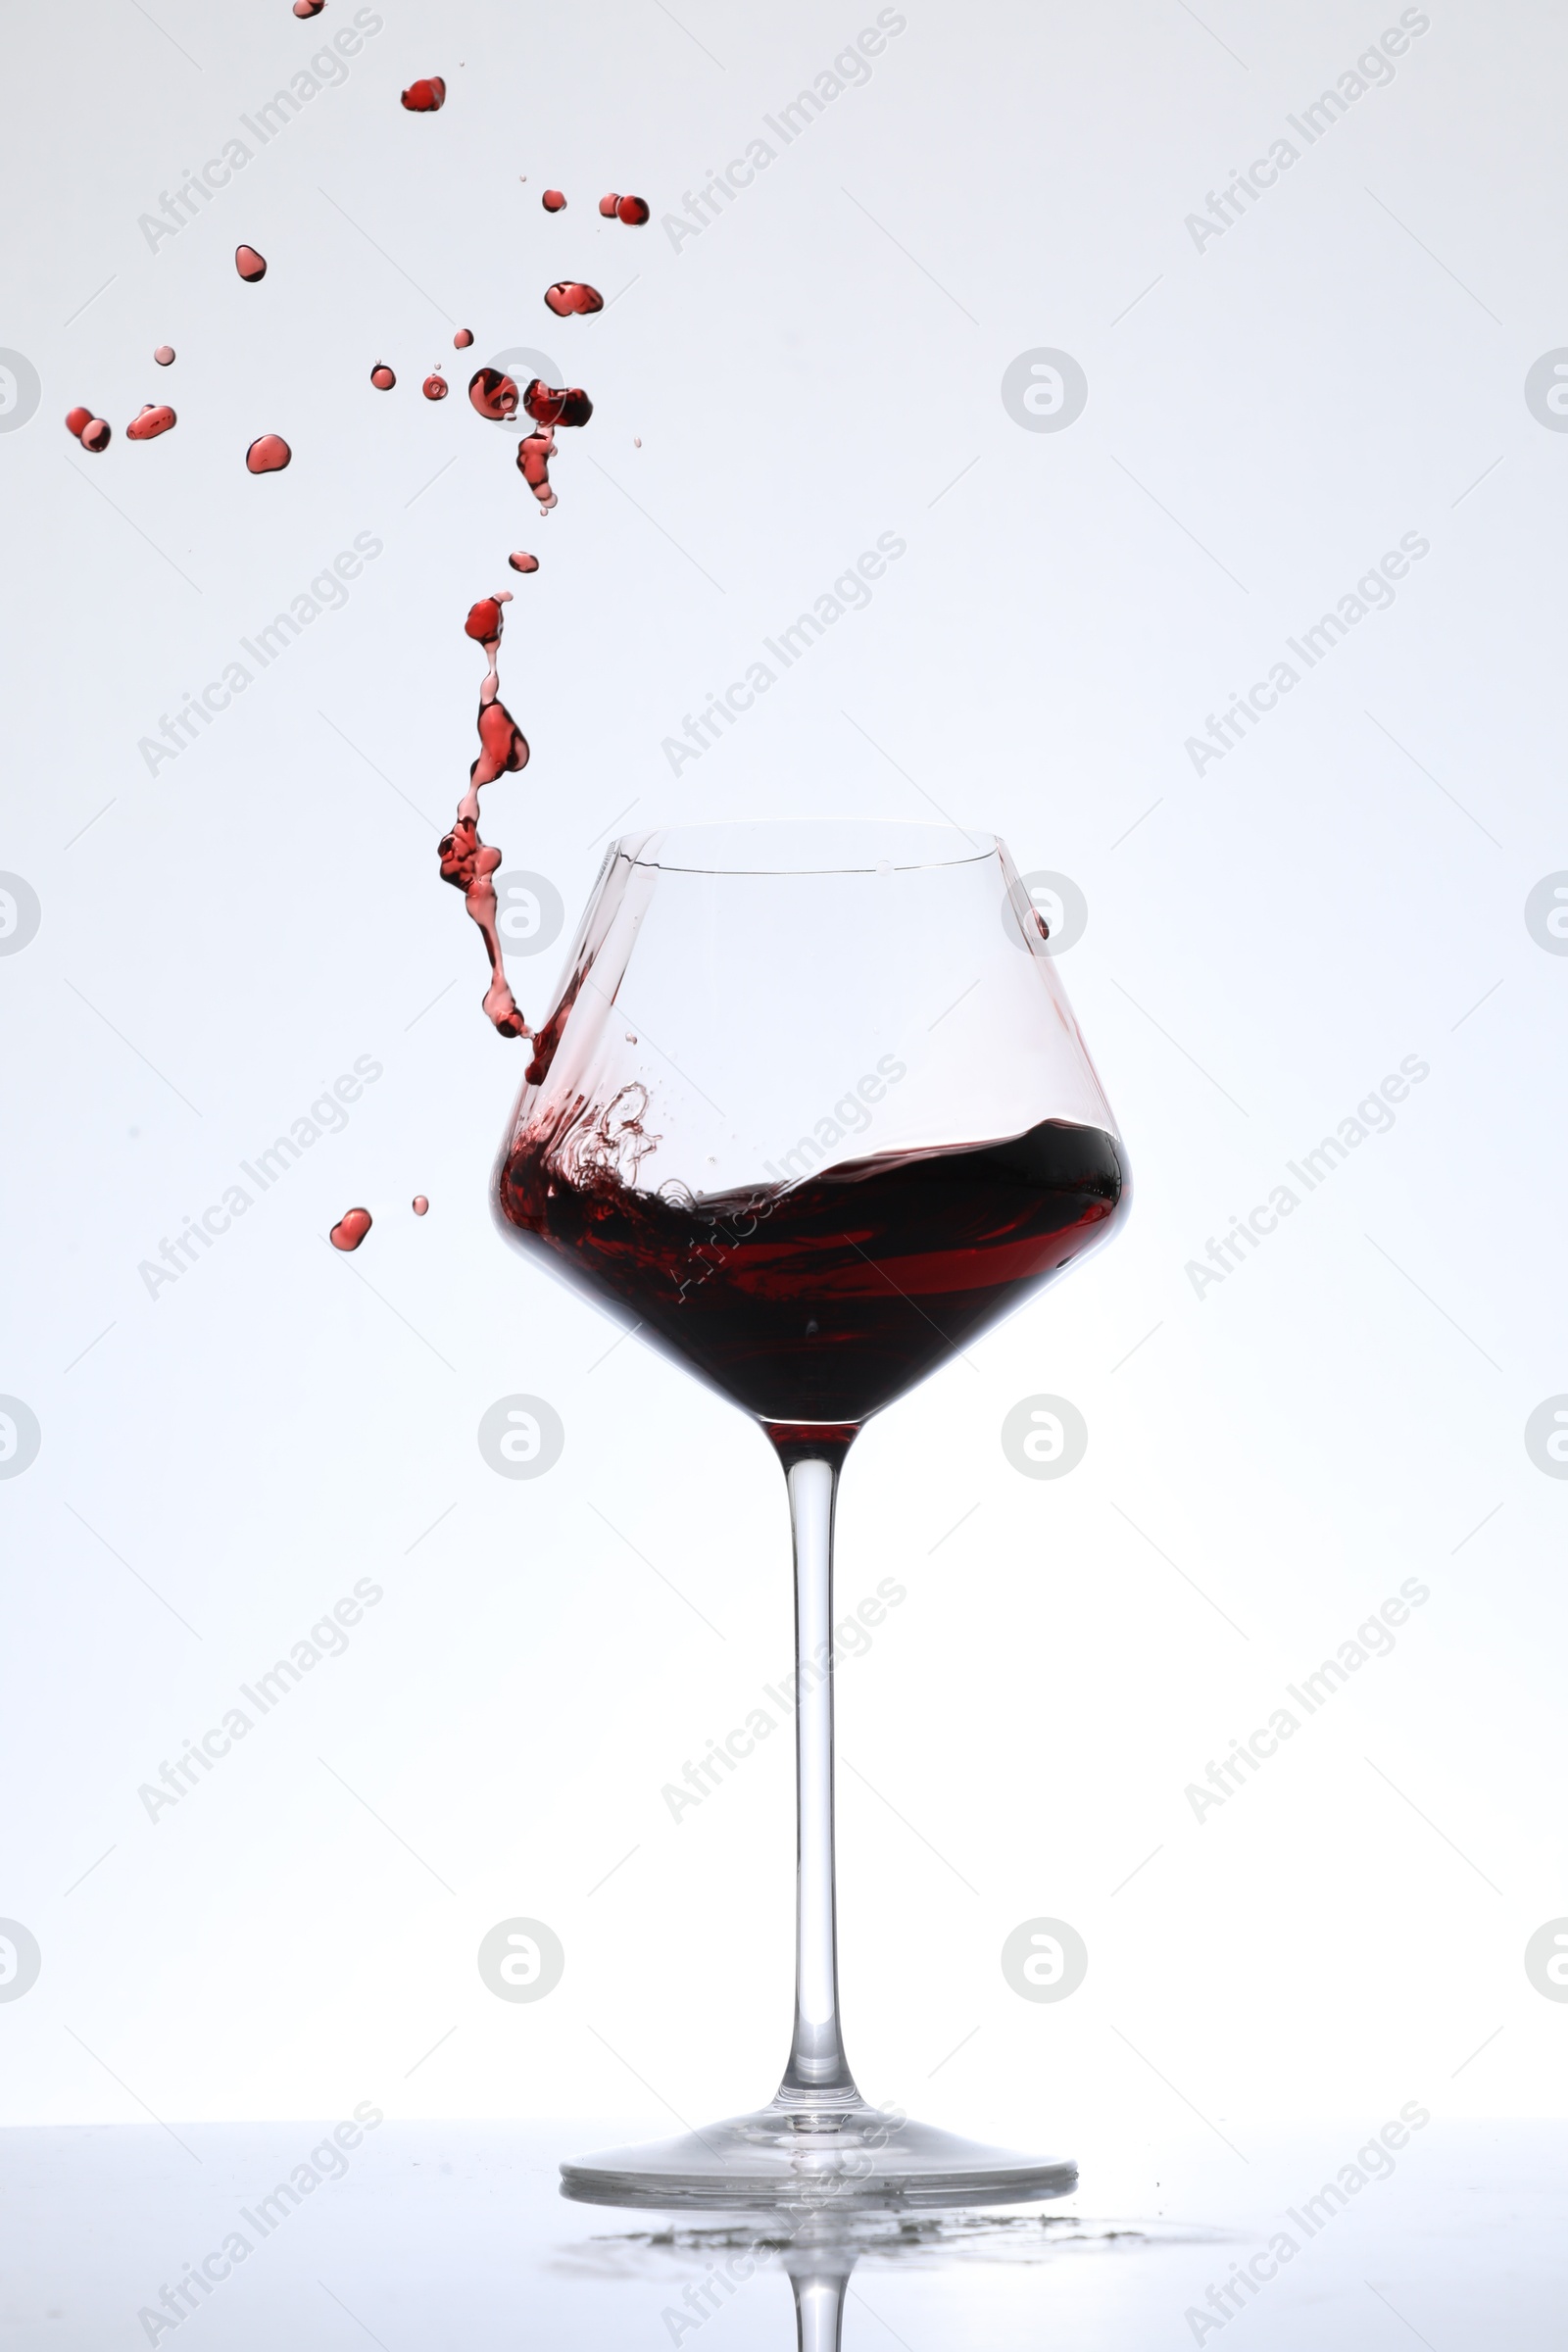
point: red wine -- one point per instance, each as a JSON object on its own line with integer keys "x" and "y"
{"x": 164, "y": 354}
{"x": 463, "y": 338}
{"x": 631, "y": 209}
{"x": 435, "y": 387}
{"x": 382, "y": 376}
{"x": 521, "y": 560}
{"x": 493, "y": 394}
{"x": 468, "y": 863}
{"x": 250, "y": 264}
{"x": 550, "y": 405}
{"x": 78, "y": 420}
{"x": 351, "y": 1229}
{"x": 150, "y": 423}
{"x": 269, "y": 455}
{"x": 818, "y": 1301}
{"x": 534, "y": 452}
{"x": 552, "y": 201}
{"x": 568, "y": 297}
{"x": 426, "y": 96}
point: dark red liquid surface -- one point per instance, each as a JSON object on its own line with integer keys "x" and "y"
{"x": 824, "y": 1301}
{"x": 425, "y": 96}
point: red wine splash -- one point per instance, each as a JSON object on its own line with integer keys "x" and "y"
{"x": 420, "y": 1205}
{"x": 77, "y": 421}
{"x": 466, "y": 861}
{"x": 164, "y": 354}
{"x": 631, "y": 209}
{"x": 493, "y": 394}
{"x": 426, "y": 96}
{"x": 569, "y": 299}
{"x": 250, "y": 264}
{"x": 521, "y": 560}
{"x": 95, "y": 435}
{"x": 463, "y": 338}
{"x": 351, "y": 1229}
{"x": 552, "y": 201}
{"x": 548, "y": 405}
{"x": 269, "y": 455}
{"x": 309, "y": 7}
{"x": 382, "y": 377}
{"x": 435, "y": 387}
{"x": 609, "y": 206}
{"x": 150, "y": 422}
{"x": 534, "y": 452}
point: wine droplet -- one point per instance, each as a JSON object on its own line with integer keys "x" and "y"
{"x": 78, "y": 420}
{"x": 150, "y": 423}
{"x": 493, "y": 394}
{"x": 466, "y": 861}
{"x": 435, "y": 387}
{"x": 609, "y": 206}
{"x": 534, "y": 452}
{"x": 382, "y": 377}
{"x": 250, "y": 264}
{"x": 632, "y": 210}
{"x": 463, "y": 338}
{"x": 351, "y": 1229}
{"x": 95, "y": 435}
{"x": 309, "y": 7}
{"x": 547, "y": 405}
{"x": 521, "y": 560}
{"x": 269, "y": 455}
{"x": 426, "y": 96}
{"x": 552, "y": 201}
{"x": 636, "y": 440}
{"x": 164, "y": 354}
{"x": 420, "y": 1205}
{"x": 568, "y": 299}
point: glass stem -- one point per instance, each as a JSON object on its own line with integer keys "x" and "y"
{"x": 817, "y": 2064}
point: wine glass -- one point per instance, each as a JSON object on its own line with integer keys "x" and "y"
{"x": 810, "y": 1112}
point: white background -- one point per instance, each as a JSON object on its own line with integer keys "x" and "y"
{"x": 815, "y": 369}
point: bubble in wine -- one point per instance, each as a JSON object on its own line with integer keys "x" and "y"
{"x": 351, "y": 1229}
{"x": 269, "y": 454}
{"x": 150, "y": 422}
{"x": 250, "y": 264}
{"x": 428, "y": 96}
{"x": 568, "y": 299}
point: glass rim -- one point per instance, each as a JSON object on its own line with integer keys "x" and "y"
{"x": 803, "y": 847}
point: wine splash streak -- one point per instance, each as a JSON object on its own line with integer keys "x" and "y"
{"x": 466, "y": 861}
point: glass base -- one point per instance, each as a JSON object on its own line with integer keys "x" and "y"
{"x": 850, "y": 2158}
